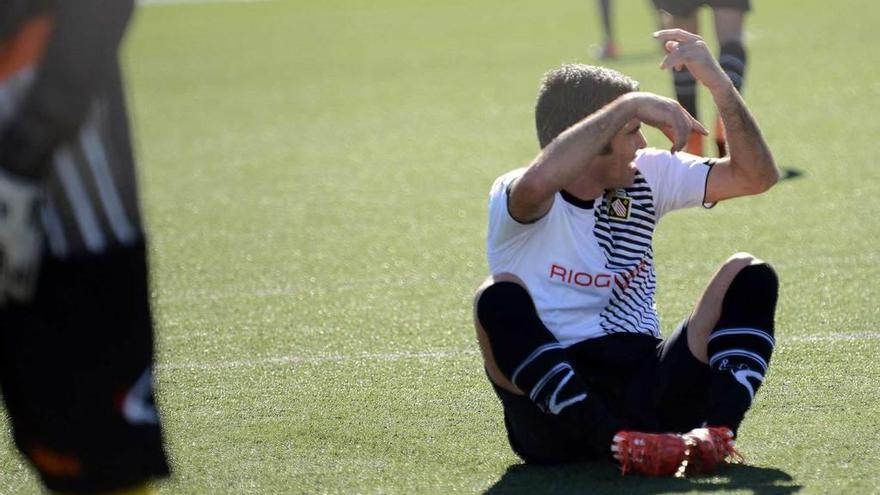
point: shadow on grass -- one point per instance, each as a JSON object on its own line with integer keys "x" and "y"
{"x": 789, "y": 173}
{"x": 603, "y": 478}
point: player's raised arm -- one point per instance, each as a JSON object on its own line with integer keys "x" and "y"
{"x": 749, "y": 168}
{"x": 570, "y": 157}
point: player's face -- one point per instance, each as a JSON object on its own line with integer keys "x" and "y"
{"x": 621, "y": 171}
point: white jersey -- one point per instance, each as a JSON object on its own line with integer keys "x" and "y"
{"x": 589, "y": 265}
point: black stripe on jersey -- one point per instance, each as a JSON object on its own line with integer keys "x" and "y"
{"x": 621, "y": 325}
{"x": 648, "y": 220}
{"x": 615, "y": 232}
{"x": 628, "y": 253}
{"x": 636, "y": 236}
{"x": 636, "y": 206}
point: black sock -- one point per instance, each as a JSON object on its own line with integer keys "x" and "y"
{"x": 741, "y": 344}
{"x": 733, "y": 60}
{"x": 531, "y": 357}
{"x": 686, "y": 90}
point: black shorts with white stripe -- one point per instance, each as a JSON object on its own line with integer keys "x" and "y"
{"x": 92, "y": 201}
{"x": 649, "y": 384}
{"x": 76, "y": 374}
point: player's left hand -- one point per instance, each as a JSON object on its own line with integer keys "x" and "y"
{"x": 21, "y": 239}
{"x": 688, "y": 50}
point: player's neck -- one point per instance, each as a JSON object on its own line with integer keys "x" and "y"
{"x": 586, "y": 188}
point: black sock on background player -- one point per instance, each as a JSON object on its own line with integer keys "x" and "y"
{"x": 686, "y": 90}
{"x": 733, "y": 61}
{"x": 533, "y": 360}
{"x": 686, "y": 94}
{"x": 741, "y": 344}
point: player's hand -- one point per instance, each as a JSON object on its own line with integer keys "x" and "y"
{"x": 688, "y": 50}
{"x": 668, "y": 116}
{"x": 21, "y": 239}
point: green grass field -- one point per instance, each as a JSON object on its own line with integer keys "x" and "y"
{"x": 315, "y": 176}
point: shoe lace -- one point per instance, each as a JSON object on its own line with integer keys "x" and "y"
{"x": 652, "y": 455}
{"x": 725, "y": 445}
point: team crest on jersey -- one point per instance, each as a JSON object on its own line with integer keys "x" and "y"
{"x": 618, "y": 207}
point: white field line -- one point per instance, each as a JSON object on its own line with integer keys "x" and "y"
{"x": 310, "y": 288}
{"x": 446, "y": 355}
{"x": 318, "y": 286}
{"x": 148, "y": 3}
{"x": 323, "y": 358}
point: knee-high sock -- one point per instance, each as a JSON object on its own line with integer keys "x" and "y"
{"x": 741, "y": 344}
{"x": 686, "y": 90}
{"x": 733, "y": 61}
{"x": 531, "y": 357}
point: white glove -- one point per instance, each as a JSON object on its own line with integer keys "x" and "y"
{"x": 21, "y": 237}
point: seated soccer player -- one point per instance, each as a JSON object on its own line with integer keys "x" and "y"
{"x": 567, "y": 322}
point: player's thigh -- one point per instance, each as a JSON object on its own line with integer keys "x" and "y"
{"x": 77, "y": 375}
{"x": 740, "y": 5}
{"x": 729, "y": 22}
{"x": 679, "y": 8}
{"x": 708, "y": 308}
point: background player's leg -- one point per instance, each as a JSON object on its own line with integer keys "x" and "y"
{"x": 683, "y": 81}
{"x": 732, "y": 57}
{"x": 523, "y": 357}
{"x": 609, "y": 46}
{"x": 732, "y": 330}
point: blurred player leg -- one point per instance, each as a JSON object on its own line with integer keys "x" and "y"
{"x": 732, "y": 56}
{"x": 76, "y": 374}
{"x": 76, "y": 353}
{"x": 684, "y": 82}
{"x": 608, "y": 50}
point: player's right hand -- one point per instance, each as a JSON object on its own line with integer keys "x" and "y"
{"x": 688, "y": 50}
{"x": 667, "y": 115}
{"x": 21, "y": 239}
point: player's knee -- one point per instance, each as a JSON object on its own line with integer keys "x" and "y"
{"x": 759, "y": 270}
{"x": 500, "y": 298}
{"x": 733, "y": 265}
{"x": 754, "y": 290}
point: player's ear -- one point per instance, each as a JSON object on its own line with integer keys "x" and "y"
{"x": 607, "y": 150}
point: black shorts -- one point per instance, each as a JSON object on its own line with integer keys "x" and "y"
{"x": 685, "y": 8}
{"x": 76, "y": 374}
{"x": 648, "y": 384}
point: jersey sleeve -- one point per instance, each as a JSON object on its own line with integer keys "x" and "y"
{"x": 503, "y": 228}
{"x": 677, "y": 180}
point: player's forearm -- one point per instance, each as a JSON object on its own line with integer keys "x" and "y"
{"x": 81, "y": 52}
{"x": 750, "y": 156}
{"x": 567, "y": 158}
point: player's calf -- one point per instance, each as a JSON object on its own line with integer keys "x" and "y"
{"x": 741, "y": 344}
{"x": 529, "y": 356}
